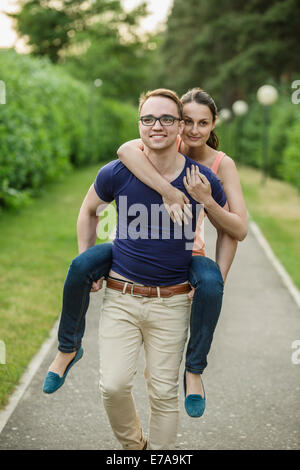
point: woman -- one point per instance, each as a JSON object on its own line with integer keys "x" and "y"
{"x": 200, "y": 143}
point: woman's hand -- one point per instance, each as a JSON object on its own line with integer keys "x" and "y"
{"x": 175, "y": 202}
{"x": 191, "y": 293}
{"x": 97, "y": 285}
{"x": 197, "y": 185}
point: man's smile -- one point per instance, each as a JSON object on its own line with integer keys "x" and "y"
{"x": 158, "y": 135}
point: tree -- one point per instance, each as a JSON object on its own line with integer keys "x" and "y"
{"x": 231, "y": 47}
{"x": 91, "y": 39}
{"x": 49, "y": 26}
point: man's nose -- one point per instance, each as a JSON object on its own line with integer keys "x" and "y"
{"x": 157, "y": 125}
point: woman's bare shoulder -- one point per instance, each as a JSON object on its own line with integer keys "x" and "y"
{"x": 227, "y": 164}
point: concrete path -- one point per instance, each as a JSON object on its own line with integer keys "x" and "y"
{"x": 252, "y": 385}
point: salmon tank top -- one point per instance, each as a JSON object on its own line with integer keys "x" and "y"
{"x": 199, "y": 244}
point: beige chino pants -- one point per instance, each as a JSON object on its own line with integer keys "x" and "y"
{"x": 161, "y": 324}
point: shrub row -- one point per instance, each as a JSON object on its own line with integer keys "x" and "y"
{"x": 244, "y": 139}
{"x": 51, "y": 123}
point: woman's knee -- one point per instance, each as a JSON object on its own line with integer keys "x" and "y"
{"x": 79, "y": 268}
{"x": 205, "y": 273}
{"x": 83, "y": 266}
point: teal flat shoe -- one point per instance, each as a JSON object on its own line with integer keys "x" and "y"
{"x": 53, "y": 381}
{"x": 194, "y": 404}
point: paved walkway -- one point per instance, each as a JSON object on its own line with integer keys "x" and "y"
{"x": 252, "y": 386}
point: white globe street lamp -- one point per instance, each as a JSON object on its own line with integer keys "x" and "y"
{"x": 224, "y": 114}
{"x": 239, "y": 108}
{"x": 98, "y": 82}
{"x": 266, "y": 96}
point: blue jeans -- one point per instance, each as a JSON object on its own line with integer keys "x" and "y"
{"x": 204, "y": 275}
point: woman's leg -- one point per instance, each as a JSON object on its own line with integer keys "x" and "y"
{"x": 86, "y": 268}
{"x": 206, "y": 278}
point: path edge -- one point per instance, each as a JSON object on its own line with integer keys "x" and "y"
{"x": 285, "y": 277}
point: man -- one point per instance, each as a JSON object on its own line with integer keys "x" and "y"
{"x": 134, "y": 313}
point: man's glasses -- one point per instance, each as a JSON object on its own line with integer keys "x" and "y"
{"x": 165, "y": 120}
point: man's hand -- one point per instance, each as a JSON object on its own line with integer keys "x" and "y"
{"x": 176, "y": 204}
{"x": 97, "y": 285}
{"x": 197, "y": 185}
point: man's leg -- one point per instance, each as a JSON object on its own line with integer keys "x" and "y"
{"x": 120, "y": 340}
{"x": 165, "y": 334}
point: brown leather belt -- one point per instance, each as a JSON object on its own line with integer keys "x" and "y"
{"x": 147, "y": 291}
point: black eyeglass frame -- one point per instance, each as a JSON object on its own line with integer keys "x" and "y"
{"x": 159, "y": 119}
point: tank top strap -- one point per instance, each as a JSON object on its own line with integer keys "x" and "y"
{"x": 178, "y": 142}
{"x": 215, "y": 166}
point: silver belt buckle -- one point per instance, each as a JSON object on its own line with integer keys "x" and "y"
{"x": 134, "y": 295}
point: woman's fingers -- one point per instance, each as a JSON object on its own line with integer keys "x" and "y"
{"x": 176, "y": 205}
{"x": 97, "y": 285}
{"x": 203, "y": 177}
{"x": 188, "y": 175}
{"x": 187, "y": 211}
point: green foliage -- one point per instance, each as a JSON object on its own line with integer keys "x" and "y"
{"x": 231, "y": 48}
{"x": 51, "y": 123}
{"x": 283, "y": 137}
{"x": 290, "y": 166}
{"x": 94, "y": 39}
{"x": 49, "y": 26}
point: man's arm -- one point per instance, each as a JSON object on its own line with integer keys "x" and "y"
{"x": 133, "y": 155}
{"x": 88, "y": 219}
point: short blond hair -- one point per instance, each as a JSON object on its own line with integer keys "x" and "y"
{"x": 165, "y": 93}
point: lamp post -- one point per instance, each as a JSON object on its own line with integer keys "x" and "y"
{"x": 225, "y": 116}
{"x": 97, "y": 83}
{"x": 239, "y": 108}
{"x": 266, "y": 96}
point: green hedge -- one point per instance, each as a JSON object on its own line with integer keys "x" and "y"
{"x": 242, "y": 138}
{"x": 51, "y": 123}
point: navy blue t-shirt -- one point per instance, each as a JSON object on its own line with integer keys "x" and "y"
{"x": 149, "y": 248}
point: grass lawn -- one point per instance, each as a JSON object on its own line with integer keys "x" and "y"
{"x": 37, "y": 245}
{"x": 275, "y": 207}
